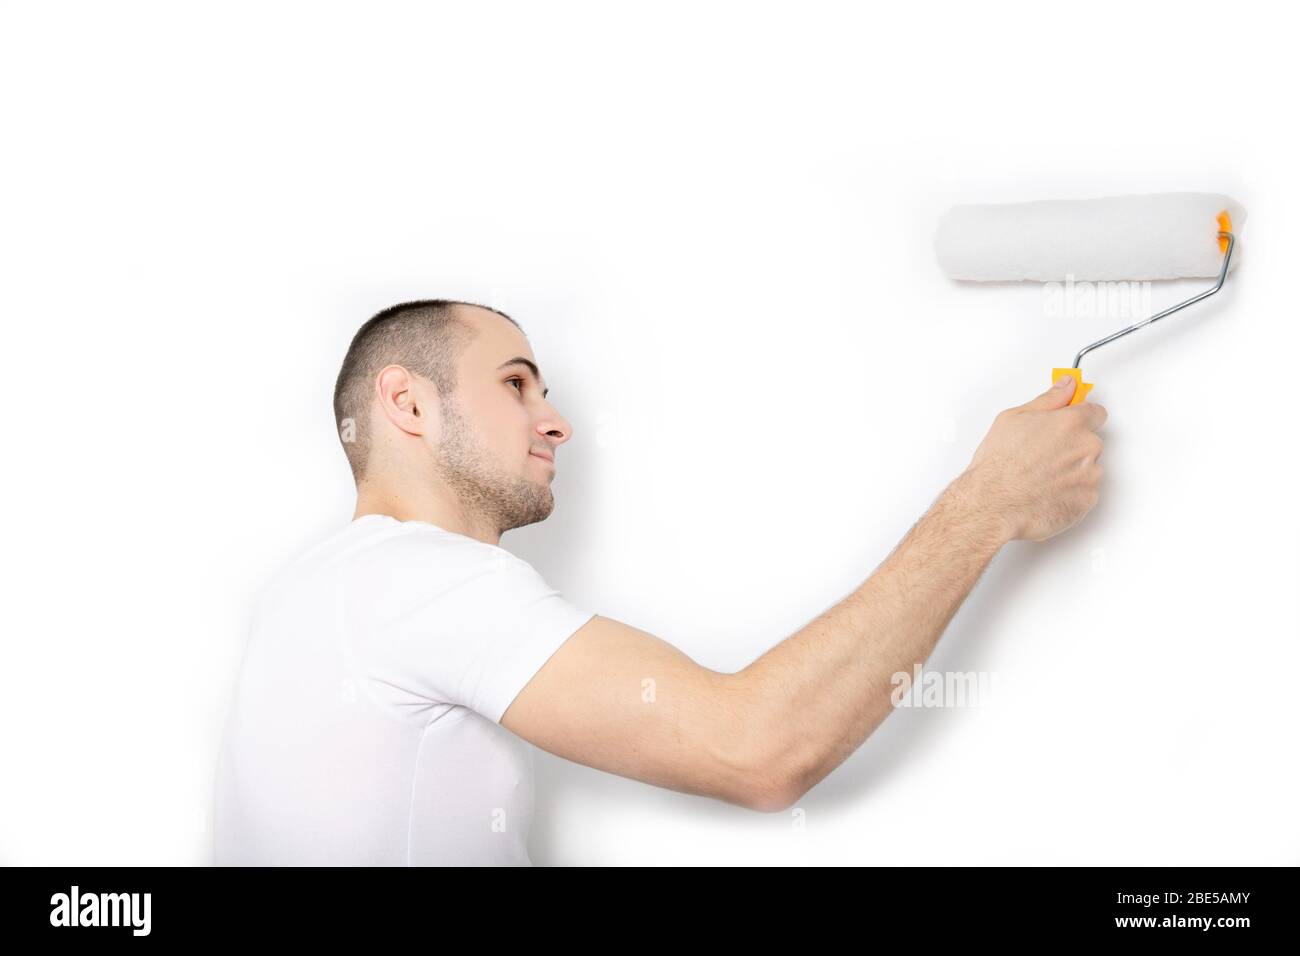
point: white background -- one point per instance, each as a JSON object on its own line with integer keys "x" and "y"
{"x": 715, "y": 224}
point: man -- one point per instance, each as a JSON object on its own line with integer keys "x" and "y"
{"x": 394, "y": 670}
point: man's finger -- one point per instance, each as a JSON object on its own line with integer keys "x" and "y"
{"x": 1058, "y": 396}
{"x": 1094, "y": 415}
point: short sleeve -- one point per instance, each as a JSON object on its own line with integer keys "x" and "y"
{"x": 476, "y": 630}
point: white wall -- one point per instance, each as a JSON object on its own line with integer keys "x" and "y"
{"x": 715, "y": 225}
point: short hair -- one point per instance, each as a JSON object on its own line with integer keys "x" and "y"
{"x": 425, "y": 336}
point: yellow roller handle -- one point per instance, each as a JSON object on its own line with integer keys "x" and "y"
{"x": 1081, "y": 388}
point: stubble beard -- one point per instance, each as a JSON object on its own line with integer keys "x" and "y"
{"x": 503, "y": 501}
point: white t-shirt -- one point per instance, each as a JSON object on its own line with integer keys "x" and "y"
{"x": 365, "y": 727}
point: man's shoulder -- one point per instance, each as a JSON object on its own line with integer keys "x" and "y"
{"x": 415, "y": 544}
{"x": 391, "y": 568}
{"x": 412, "y": 565}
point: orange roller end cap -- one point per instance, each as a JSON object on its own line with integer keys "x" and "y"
{"x": 1225, "y": 225}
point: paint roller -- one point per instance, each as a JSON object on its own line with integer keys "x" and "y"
{"x": 1143, "y": 237}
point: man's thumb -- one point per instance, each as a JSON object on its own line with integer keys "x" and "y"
{"x": 1058, "y": 396}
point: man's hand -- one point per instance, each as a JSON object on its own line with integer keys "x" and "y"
{"x": 1037, "y": 467}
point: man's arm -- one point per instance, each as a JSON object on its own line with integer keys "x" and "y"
{"x": 618, "y": 699}
{"x": 621, "y": 700}
{"x": 833, "y": 677}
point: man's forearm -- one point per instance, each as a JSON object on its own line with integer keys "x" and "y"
{"x": 820, "y": 693}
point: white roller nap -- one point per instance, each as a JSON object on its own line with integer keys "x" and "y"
{"x": 1154, "y": 236}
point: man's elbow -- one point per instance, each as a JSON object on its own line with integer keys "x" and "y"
{"x": 748, "y": 782}
{"x": 769, "y": 787}
{"x": 772, "y": 797}
{"x": 757, "y": 755}
{"x": 772, "y": 784}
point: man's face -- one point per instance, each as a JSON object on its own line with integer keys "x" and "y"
{"x": 497, "y": 431}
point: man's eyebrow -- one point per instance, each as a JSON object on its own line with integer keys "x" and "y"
{"x": 531, "y": 366}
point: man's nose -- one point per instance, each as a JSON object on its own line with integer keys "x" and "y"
{"x": 555, "y": 427}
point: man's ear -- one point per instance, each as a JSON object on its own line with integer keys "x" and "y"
{"x": 400, "y": 398}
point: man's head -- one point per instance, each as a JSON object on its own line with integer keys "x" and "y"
{"x": 446, "y": 396}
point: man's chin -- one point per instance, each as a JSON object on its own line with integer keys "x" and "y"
{"x": 541, "y": 509}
